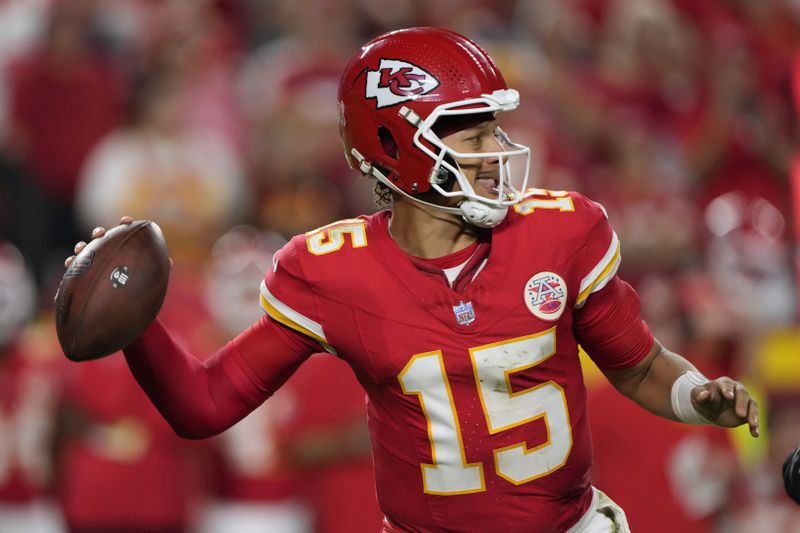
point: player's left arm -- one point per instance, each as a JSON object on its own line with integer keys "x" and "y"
{"x": 610, "y": 328}
{"x": 652, "y": 384}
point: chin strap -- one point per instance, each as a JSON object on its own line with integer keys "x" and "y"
{"x": 482, "y": 215}
{"x": 472, "y": 211}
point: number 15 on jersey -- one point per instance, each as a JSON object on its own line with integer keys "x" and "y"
{"x": 494, "y": 364}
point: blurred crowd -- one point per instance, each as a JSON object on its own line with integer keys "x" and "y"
{"x": 216, "y": 118}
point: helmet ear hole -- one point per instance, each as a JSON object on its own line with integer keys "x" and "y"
{"x": 388, "y": 143}
{"x": 444, "y": 177}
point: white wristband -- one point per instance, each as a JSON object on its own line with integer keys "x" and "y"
{"x": 682, "y": 404}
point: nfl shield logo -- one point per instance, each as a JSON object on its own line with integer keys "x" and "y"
{"x": 465, "y": 314}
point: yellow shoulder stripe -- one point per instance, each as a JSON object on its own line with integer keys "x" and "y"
{"x": 602, "y": 276}
{"x": 283, "y": 319}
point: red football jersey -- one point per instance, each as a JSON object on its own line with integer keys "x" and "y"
{"x": 30, "y": 385}
{"x": 127, "y": 467}
{"x": 477, "y": 406}
{"x": 341, "y": 492}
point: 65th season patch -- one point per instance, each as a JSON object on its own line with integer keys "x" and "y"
{"x": 546, "y": 295}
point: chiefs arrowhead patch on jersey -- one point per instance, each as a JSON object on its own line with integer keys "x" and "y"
{"x": 546, "y": 295}
{"x": 398, "y": 81}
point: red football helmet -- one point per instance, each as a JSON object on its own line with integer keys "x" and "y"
{"x": 391, "y": 95}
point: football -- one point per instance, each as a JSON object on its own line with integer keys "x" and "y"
{"x": 112, "y": 291}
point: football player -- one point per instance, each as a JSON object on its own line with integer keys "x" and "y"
{"x": 459, "y": 308}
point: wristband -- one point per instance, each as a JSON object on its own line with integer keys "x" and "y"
{"x": 682, "y": 404}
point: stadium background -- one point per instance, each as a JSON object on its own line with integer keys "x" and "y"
{"x": 217, "y": 119}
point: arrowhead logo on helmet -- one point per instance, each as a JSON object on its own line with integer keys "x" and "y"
{"x": 398, "y": 81}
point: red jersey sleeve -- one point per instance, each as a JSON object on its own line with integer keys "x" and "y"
{"x": 203, "y": 398}
{"x": 287, "y": 297}
{"x": 610, "y": 328}
{"x": 608, "y": 324}
{"x": 601, "y": 252}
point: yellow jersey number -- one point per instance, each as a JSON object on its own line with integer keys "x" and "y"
{"x": 331, "y": 238}
{"x": 543, "y": 199}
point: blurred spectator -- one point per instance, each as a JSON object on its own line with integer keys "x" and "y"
{"x": 309, "y": 440}
{"x": 253, "y": 488}
{"x": 297, "y": 162}
{"x": 188, "y": 180}
{"x": 121, "y": 467}
{"x": 328, "y": 440}
{"x": 29, "y": 390}
{"x": 689, "y": 471}
{"x": 17, "y": 293}
{"x": 741, "y": 151}
{"x": 656, "y": 226}
{"x": 765, "y": 504}
{"x": 64, "y": 97}
{"x": 21, "y": 23}
{"x": 747, "y": 250}
{"x": 196, "y": 43}
{"x": 236, "y": 264}
{"x": 682, "y": 477}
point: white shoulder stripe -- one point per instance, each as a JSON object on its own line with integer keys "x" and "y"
{"x": 602, "y": 265}
{"x": 602, "y": 270}
{"x": 603, "y": 281}
{"x": 291, "y": 314}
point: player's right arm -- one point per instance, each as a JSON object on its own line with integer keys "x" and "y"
{"x": 202, "y": 398}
